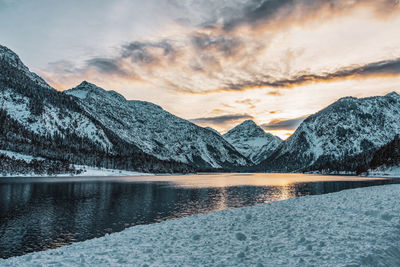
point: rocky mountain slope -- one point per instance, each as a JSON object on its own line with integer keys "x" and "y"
{"x": 341, "y": 137}
{"x": 37, "y": 120}
{"x": 156, "y": 131}
{"x": 251, "y": 141}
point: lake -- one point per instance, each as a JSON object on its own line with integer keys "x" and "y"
{"x": 42, "y": 213}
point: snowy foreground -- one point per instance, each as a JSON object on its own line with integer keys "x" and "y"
{"x": 348, "y": 228}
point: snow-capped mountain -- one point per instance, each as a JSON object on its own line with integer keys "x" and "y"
{"x": 88, "y": 125}
{"x": 156, "y": 131}
{"x": 37, "y": 120}
{"x": 251, "y": 141}
{"x": 33, "y": 103}
{"x": 11, "y": 59}
{"x": 339, "y": 137}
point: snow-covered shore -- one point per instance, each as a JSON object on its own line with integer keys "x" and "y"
{"x": 348, "y": 228}
{"x": 87, "y": 171}
{"x": 392, "y": 172}
{"x": 93, "y": 171}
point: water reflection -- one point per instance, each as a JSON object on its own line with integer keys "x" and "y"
{"x": 37, "y": 214}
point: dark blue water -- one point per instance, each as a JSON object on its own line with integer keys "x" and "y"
{"x": 42, "y": 213}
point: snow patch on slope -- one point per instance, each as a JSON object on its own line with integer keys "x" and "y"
{"x": 16, "y": 155}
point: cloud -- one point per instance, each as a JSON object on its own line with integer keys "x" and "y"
{"x": 258, "y": 10}
{"x": 214, "y": 54}
{"x": 374, "y": 69}
{"x": 106, "y": 65}
{"x": 274, "y": 93}
{"x": 227, "y": 45}
{"x": 281, "y": 12}
{"x": 251, "y": 103}
{"x": 221, "y": 120}
{"x": 148, "y": 52}
{"x": 284, "y": 124}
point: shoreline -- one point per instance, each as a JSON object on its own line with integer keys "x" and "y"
{"x": 102, "y": 172}
{"x": 319, "y": 230}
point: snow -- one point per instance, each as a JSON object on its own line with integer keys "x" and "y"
{"x": 11, "y": 58}
{"x": 52, "y": 120}
{"x": 87, "y": 171}
{"x": 156, "y": 131}
{"x": 345, "y": 128}
{"x": 93, "y": 171}
{"x": 81, "y": 94}
{"x": 383, "y": 171}
{"x": 252, "y": 141}
{"x": 15, "y": 155}
{"x": 359, "y": 227}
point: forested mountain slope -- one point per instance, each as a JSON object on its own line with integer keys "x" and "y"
{"x": 37, "y": 120}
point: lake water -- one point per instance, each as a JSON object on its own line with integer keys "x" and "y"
{"x": 42, "y": 213}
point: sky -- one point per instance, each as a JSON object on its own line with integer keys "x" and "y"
{"x": 215, "y": 63}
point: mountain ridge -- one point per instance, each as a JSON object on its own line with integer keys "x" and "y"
{"x": 347, "y": 129}
{"x": 89, "y": 125}
{"x": 156, "y": 131}
{"x": 40, "y": 121}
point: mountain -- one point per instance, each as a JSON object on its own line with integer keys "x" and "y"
{"x": 37, "y": 120}
{"x": 387, "y": 156}
{"x": 156, "y": 131}
{"x": 11, "y": 60}
{"x": 251, "y": 141}
{"x": 341, "y": 137}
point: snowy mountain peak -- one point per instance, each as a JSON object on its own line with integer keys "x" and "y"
{"x": 252, "y": 141}
{"x": 248, "y": 123}
{"x": 393, "y": 94}
{"x": 249, "y": 126}
{"x": 331, "y": 138}
{"x": 89, "y": 86}
{"x": 86, "y": 84}
{"x": 10, "y": 58}
{"x": 84, "y": 89}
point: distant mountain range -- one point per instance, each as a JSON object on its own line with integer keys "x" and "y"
{"x": 342, "y": 137}
{"x": 88, "y": 125}
{"x": 252, "y": 141}
{"x": 156, "y": 131}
